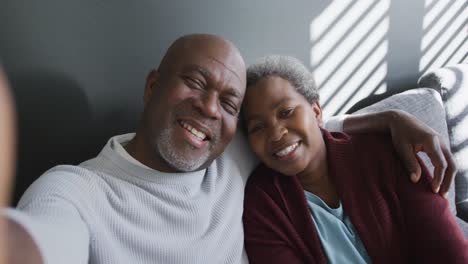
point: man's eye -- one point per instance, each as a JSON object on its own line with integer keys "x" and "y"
{"x": 230, "y": 107}
{"x": 286, "y": 112}
{"x": 194, "y": 83}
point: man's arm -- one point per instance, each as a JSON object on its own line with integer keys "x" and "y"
{"x": 409, "y": 136}
{"x": 21, "y": 247}
{"x": 49, "y": 212}
{"x": 55, "y": 237}
{"x": 16, "y": 246}
{"x": 7, "y": 140}
{"x": 49, "y": 229}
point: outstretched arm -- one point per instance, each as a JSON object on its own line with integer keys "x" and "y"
{"x": 7, "y": 140}
{"x": 21, "y": 247}
{"x": 16, "y": 245}
{"x": 409, "y": 136}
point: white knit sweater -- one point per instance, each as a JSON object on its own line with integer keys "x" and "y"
{"x": 111, "y": 210}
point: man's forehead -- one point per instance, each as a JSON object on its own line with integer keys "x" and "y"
{"x": 214, "y": 57}
{"x": 216, "y": 61}
{"x": 216, "y": 69}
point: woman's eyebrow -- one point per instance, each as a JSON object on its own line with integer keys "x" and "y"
{"x": 251, "y": 118}
{"x": 282, "y": 101}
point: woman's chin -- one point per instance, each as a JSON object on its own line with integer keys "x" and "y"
{"x": 285, "y": 168}
{"x": 289, "y": 171}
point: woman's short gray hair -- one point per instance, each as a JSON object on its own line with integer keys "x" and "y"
{"x": 288, "y": 68}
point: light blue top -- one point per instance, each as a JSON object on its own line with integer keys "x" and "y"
{"x": 339, "y": 239}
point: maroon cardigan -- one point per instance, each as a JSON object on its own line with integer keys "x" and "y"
{"x": 398, "y": 221}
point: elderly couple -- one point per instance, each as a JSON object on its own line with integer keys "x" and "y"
{"x": 173, "y": 191}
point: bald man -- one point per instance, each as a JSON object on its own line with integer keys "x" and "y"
{"x": 173, "y": 191}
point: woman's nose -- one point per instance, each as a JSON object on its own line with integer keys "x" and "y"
{"x": 277, "y": 133}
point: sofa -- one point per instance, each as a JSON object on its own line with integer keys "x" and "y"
{"x": 439, "y": 100}
{"x": 436, "y": 102}
{"x": 452, "y": 83}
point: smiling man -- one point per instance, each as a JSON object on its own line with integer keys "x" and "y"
{"x": 157, "y": 195}
{"x": 173, "y": 191}
{"x": 191, "y": 105}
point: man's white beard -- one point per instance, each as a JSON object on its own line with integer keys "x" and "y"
{"x": 176, "y": 158}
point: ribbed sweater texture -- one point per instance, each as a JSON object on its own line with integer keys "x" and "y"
{"x": 109, "y": 210}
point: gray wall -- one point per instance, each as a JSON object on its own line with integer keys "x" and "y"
{"x": 77, "y": 68}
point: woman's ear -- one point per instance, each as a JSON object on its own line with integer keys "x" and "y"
{"x": 318, "y": 113}
{"x": 152, "y": 81}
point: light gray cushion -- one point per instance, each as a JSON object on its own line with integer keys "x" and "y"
{"x": 452, "y": 82}
{"x": 426, "y": 105}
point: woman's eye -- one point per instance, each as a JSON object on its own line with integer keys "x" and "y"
{"x": 286, "y": 112}
{"x": 254, "y": 128}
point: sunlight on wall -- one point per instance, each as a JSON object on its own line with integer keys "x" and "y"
{"x": 444, "y": 43}
{"x": 445, "y": 34}
{"x": 348, "y": 55}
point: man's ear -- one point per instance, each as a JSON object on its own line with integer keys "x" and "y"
{"x": 318, "y": 113}
{"x": 152, "y": 82}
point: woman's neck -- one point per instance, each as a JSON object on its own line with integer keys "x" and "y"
{"x": 315, "y": 179}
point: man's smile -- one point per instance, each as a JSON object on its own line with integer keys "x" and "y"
{"x": 195, "y": 134}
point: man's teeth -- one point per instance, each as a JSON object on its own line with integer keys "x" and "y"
{"x": 192, "y": 130}
{"x": 287, "y": 150}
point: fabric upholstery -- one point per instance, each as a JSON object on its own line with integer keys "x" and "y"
{"x": 452, "y": 83}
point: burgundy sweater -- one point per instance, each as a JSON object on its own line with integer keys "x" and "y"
{"x": 398, "y": 221}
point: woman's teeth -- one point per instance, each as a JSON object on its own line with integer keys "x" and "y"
{"x": 287, "y": 150}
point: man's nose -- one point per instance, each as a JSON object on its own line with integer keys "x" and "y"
{"x": 209, "y": 105}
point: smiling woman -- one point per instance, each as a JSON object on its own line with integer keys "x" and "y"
{"x": 284, "y": 130}
{"x": 329, "y": 197}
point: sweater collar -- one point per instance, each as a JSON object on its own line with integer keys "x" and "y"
{"x": 120, "y": 163}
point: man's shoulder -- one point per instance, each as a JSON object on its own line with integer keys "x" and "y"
{"x": 239, "y": 153}
{"x": 67, "y": 174}
{"x": 61, "y": 181}
{"x": 63, "y": 173}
